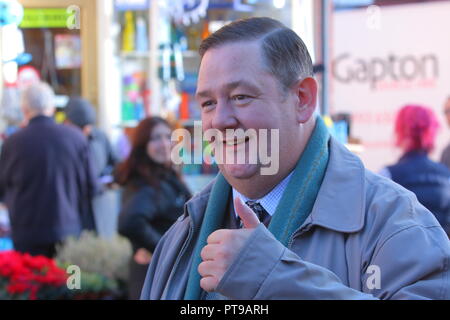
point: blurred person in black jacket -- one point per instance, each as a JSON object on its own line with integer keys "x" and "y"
{"x": 415, "y": 128}
{"x": 81, "y": 114}
{"x": 46, "y": 177}
{"x": 153, "y": 197}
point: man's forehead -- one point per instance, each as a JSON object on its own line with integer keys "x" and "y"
{"x": 238, "y": 54}
{"x": 230, "y": 66}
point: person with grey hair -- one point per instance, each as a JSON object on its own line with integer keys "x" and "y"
{"x": 38, "y": 99}
{"x": 321, "y": 226}
{"x": 46, "y": 177}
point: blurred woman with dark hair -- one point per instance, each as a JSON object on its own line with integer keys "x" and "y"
{"x": 415, "y": 129}
{"x": 153, "y": 197}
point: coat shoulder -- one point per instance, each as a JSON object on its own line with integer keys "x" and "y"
{"x": 391, "y": 209}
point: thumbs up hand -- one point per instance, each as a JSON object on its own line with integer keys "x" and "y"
{"x": 223, "y": 246}
{"x": 247, "y": 215}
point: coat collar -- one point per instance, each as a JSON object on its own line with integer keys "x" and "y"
{"x": 414, "y": 154}
{"x": 340, "y": 202}
{"x": 40, "y": 118}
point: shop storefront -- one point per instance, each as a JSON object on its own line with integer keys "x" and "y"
{"x": 389, "y": 61}
{"x": 49, "y": 40}
{"x": 61, "y": 38}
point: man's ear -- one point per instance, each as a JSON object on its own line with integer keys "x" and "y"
{"x": 25, "y": 112}
{"x": 87, "y": 129}
{"x": 306, "y": 92}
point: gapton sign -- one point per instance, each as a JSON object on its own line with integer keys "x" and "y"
{"x": 376, "y": 71}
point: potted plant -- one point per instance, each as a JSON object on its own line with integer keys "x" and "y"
{"x": 23, "y": 276}
{"x": 103, "y": 264}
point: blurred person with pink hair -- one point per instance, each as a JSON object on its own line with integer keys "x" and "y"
{"x": 416, "y": 127}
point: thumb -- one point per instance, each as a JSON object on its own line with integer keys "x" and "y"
{"x": 248, "y": 217}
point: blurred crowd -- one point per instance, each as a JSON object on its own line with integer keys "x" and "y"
{"x": 57, "y": 180}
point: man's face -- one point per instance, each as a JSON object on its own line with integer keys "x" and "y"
{"x": 447, "y": 110}
{"x": 235, "y": 91}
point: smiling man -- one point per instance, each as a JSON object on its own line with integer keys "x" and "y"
{"x": 320, "y": 227}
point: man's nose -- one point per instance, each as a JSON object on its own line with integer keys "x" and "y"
{"x": 224, "y": 116}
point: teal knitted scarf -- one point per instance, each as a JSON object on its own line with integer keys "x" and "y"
{"x": 294, "y": 207}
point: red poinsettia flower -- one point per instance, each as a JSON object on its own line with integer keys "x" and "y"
{"x": 17, "y": 287}
{"x": 28, "y": 274}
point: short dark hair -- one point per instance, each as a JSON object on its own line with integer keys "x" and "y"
{"x": 284, "y": 52}
{"x": 80, "y": 112}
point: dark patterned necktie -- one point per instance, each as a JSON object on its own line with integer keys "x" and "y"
{"x": 257, "y": 208}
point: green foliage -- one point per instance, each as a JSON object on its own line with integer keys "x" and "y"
{"x": 103, "y": 264}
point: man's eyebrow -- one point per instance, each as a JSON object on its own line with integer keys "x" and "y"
{"x": 230, "y": 86}
{"x": 204, "y": 94}
{"x": 241, "y": 83}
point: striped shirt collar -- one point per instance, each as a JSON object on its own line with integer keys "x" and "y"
{"x": 269, "y": 201}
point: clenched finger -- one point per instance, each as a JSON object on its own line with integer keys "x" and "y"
{"x": 212, "y": 268}
{"x": 206, "y": 268}
{"x": 209, "y": 252}
{"x": 218, "y": 236}
{"x": 209, "y": 284}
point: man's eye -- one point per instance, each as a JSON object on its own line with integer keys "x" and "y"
{"x": 207, "y": 104}
{"x": 241, "y": 98}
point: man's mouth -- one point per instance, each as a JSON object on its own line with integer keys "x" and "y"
{"x": 235, "y": 141}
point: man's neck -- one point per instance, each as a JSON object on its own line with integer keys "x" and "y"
{"x": 32, "y": 116}
{"x": 36, "y": 117}
{"x": 258, "y": 186}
